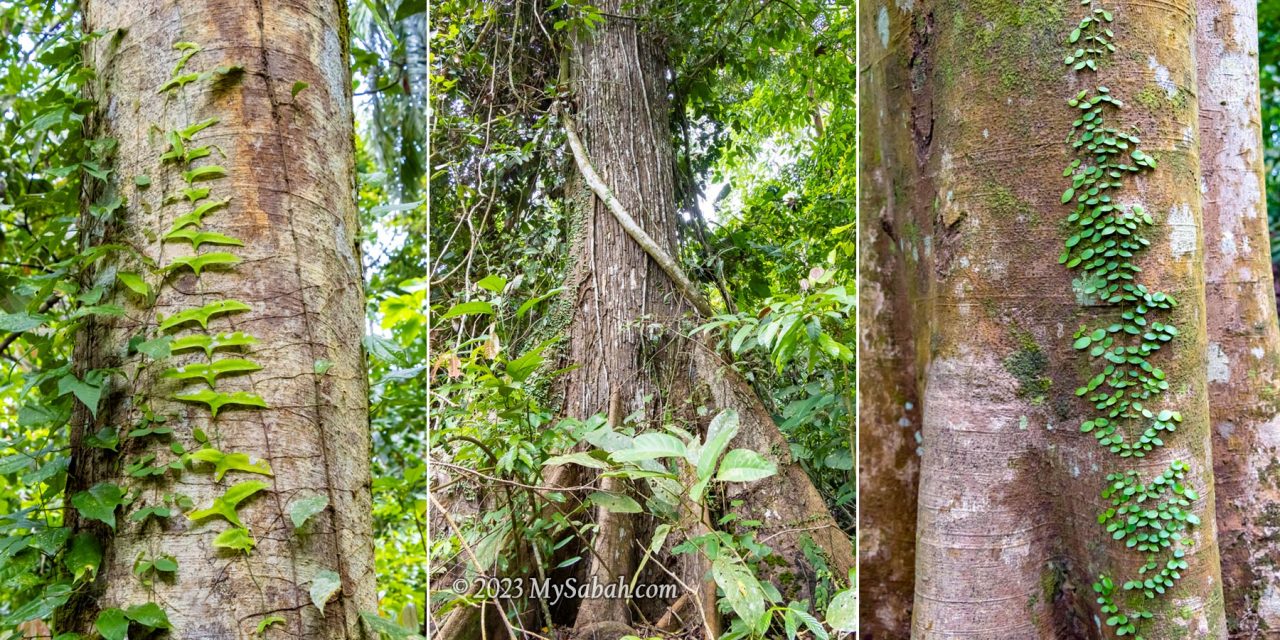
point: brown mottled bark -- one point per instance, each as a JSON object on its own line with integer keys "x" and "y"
{"x": 1244, "y": 339}
{"x": 968, "y": 174}
{"x": 290, "y": 183}
{"x": 624, "y": 337}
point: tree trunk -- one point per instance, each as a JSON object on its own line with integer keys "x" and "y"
{"x": 1244, "y": 338}
{"x": 284, "y": 134}
{"x": 624, "y": 335}
{"x": 1008, "y": 537}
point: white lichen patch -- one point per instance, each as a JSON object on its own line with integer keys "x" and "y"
{"x": 882, "y": 26}
{"x": 1162, "y": 77}
{"x": 1183, "y": 231}
{"x": 1219, "y": 364}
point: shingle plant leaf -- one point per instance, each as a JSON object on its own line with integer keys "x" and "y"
{"x": 202, "y": 315}
{"x": 213, "y": 343}
{"x": 216, "y": 399}
{"x": 196, "y": 216}
{"x": 178, "y": 82}
{"x": 207, "y": 172}
{"x": 210, "y": 372}
{"x": 303, "y": 509}
{"x": 198, "y": 263}
{"x": 224, "y": 462}
{"x": 266, "y": 622}
{"x": 323, "y": 587}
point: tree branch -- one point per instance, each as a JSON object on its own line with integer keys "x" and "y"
{"x": 646, "y": 242}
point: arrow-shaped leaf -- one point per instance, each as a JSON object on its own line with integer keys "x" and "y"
{"x": 197, "y": 263}
{"x": 99, "y": 502}
{"x": 197, "y": 238}
{"x": 210, "y": 372}
{"x": 225, "y": 506}
{"x": 178, "y": 81}
{"x": 212, "y": 343}
{"x": 224, "y": 462}
{"x": 197, "y": 128}
{"x": 202, "y": 314}
{"x": 216, "y": 400}
{"x": 237, "y": 538}
{"x": 197, "y": 215}
{"x": 207, "y": 172}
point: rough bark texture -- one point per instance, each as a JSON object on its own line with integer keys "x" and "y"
{"x": 290, "y": 181}
{"x": 1007, "y": 541}
{"x": 888, "y": 271}
{"x": 1244, "y": 339}
{"x": 622, "y": 335}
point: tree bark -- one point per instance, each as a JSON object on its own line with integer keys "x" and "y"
{"x": 284, "y": 134}
{"x": 1008, "y": 543}
{"x": 1244, "y": 338}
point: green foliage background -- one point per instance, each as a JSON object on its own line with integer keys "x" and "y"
{"x": 45, "y": 163}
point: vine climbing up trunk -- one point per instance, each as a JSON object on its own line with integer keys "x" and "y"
{"x": 225, "y": 476}
{"x": 1036, "y": 444}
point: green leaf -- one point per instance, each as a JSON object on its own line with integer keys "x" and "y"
{"x": 178, "y": 82}
{"x": 197, "y": 238}
{"x": 468, "y": 308}
{"x": 326, "y": 584}
{"x": 492, "y": 282}
{"x": 192, "y": 130}
{"x": 20, "y": 322}
{"x": 134, "y": 282}
{"x": 614, "y": 502}
{"x": 741, "y": 589}
{"x": 99, "y": 502}
{"x": 225, "y": 506}
{"x": 212, "y": 343}
{"x": 842, "y": 613}
{"x": 744, "y": 465}
{"x": 199, "y": 262}
{"x": 581, "y": 458}
{"x": 387, "y": 628}
{"x": 648, "y": 446}
{"x": 210, "y": 372}
{"x": 1068, "y": 194}
{"x": 83, "y": 556}
{"x": 207, "y": 172}
{"x": 149, "y": 615}
{"x": 298, "y": 87}
{"x": 237, "y": 538}
{"x": 142, "y": 181}
{"x": 157, "y": 348}
{"x": 202, "y": 314}
{"x": 85, "y": 391}
{"x": 158, "y": 511}
{"x": 303, "y": 509}
{"x": 267, "y": 622}
{"x": 722, "y": 430}
{"x": 216, "y": 399}
{"x": 112, "y": 624}
{"x": 322, "y": 366}
{"x": 224, "y": 462}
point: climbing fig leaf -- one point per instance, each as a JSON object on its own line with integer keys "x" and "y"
{"x": 323, "y": 588}
{"x": 99, "y": 502}
{"x": 202, "y": 314}
{"x": 225, "y": 506}
{"x": 197, "y": 215}
{"x": 197, "y": 238}
{"x": 216, "y": 400}
{"x": 210, "y": 372}
{"x": 207, "y": 172}
{"x": 197, "y": 263}
{"x": 303, "y": 508}
{"x": 224, "y": 462}
{"x": 237, "y": 538}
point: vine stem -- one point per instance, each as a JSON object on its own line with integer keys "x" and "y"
{"x": 646, "y": 242}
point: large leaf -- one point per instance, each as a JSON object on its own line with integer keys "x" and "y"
{"x": 216, "y": 399}
{"x": 20, "y": 322}
{"x": 842, "y": 613}
{"x": 614, "y": 502}
{"x": 581, "y": 458}
{"x": 197, "y": 238}
{"x": 99, "y": 502}
{"x": 87, "y": 391}
{"x": 203, "y": 261}
{"x": 202, "y": 314}
{"x": 648, "y": 446}
{"x": 224, "y": 462}
{"x": 303, "y": 509}
{"x": 326, "y": 584}
{"x": 744, "y": 465}
{"x": 741, "y": 589}
{"x": 149, "y": 615}
{"x": 83, "y": 556}
{"x": 468, "y": 308}
{"x": 722, "y": 429}
{"x": 210, "y": 372}
{"x": 212, "y": 343}
{"x": 237, "y": 538}
{"x": 112, "y": 624}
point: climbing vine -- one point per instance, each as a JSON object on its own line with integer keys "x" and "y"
{"x": 1125, "y": 390}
